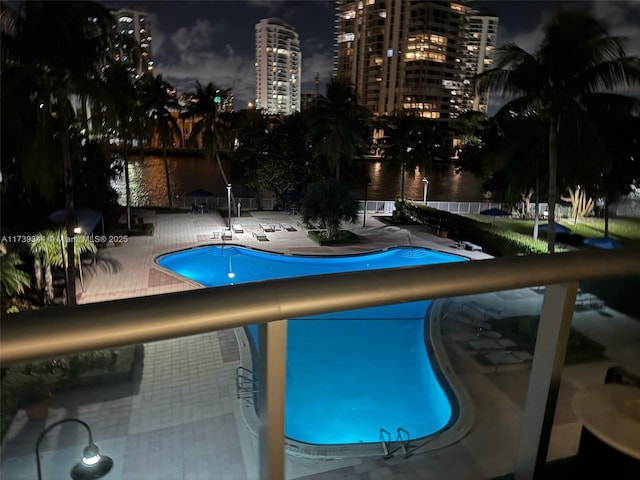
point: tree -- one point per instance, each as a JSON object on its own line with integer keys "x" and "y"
{"x": 158, "y": 99}
{"x": 513, "y": 154}
{"x": 412, "y": 143}
{"x": 13, "y": 279}
{"x": 211, "y": 126}
{"x": 77, "y": 38}
{"x": 615, "y": 152}
{"x": 287, "y": 164}
{"x": 47, "y": 250}
{"x": 125, "y": 117}
{"x": 575, "y": 64}
{"x": 338, "y": 125}
{"x": 329, "y": 202}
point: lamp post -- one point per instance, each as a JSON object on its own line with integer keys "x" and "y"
{"x": 92, "y": 466}
{"x": 366, "y": 190}
{"x": 425, "y": 186}
{"x": 229, "y": 204}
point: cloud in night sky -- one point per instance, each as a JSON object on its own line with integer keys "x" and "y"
{"x": 214, "y": 41}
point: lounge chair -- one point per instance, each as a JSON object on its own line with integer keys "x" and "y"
{"x": 267, "y": 227}
{"x": 237, "y": 228}
{"x": 288, "y": 227}
{"x": 226, "y": 234}
{"x": 491, "y": 344}
{"x": 261, "y": 236}
{"x": 501, "y": 358}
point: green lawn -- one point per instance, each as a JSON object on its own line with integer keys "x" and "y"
{"x": 625, "y": 230}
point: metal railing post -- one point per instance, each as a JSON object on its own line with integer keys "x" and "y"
{"x": 544, "y": 380}
{"x": 272, "y": 338}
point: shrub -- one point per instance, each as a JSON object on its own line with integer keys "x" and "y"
{"x": 494, "y": 240}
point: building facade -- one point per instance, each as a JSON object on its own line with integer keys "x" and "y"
{"x": 410, "y": 56}
{"x": 278, "y": 67}
{"x": 134, "y": 49}
{"x": 478, "y": 53}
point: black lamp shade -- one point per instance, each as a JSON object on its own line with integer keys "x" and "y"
{"x": 92, "y": 466}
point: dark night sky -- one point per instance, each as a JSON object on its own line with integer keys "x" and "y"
{"x": 214, "y": 40}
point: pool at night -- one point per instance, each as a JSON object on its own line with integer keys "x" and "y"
{"x": 351, "y": 373}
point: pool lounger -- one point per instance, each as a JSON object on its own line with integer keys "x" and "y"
{"x": 501, "y": 358}
{"x": 237, "y": 228}
{"x": 491, "y": 344}
{"x": 267, "y": 227}
{"x": 226, "y": 234}
{"x": 288, "y": 227}
{"x": 261, "y": 236}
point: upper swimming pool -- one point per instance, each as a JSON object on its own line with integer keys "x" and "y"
{"x": 350, "y": 373}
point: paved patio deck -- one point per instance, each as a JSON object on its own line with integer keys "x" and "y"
{"x": 179, "y": 419}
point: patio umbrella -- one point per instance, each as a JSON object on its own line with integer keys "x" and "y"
{"x": 495, "y": 212}
{"x": 200, "y": 196}
{"x": 200, "y": 193}
{"x": 559, "y": 228}
{"x": 606, "y": 243}
{"x": 86, "y": 219}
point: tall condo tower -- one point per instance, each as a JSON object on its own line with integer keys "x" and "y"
{"x": 480, "y": 43}
{"x": 278, "y": 67}
{"x": 134, "y": 28}
{"x": 401, "y": 55}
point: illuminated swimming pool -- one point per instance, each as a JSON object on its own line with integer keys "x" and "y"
{"x": 346, "y": 378}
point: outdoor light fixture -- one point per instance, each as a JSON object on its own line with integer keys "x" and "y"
{"x": 92, "y": 466}
{"x": 366, "y": 188}
{"x": 229, "y": 204}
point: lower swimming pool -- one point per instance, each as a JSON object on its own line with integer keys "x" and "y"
{"x": 349, "y": 374}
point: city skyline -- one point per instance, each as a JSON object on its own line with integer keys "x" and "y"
{"x": 214, "y": 41}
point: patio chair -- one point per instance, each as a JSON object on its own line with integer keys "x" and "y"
{"x": 267, "y": 227}
{"x": 237, "y": 228}
{"x": 226, "y": 234}
{"x": 288, "y": 227}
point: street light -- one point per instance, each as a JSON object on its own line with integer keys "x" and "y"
{"x": 229, "y": 204}
{"x": 92, "y": 466}
{"x": 425, "y": 186}
{"x": 366, "y": 189}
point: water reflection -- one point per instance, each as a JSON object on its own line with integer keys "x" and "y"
{"x": 148, "y": 184}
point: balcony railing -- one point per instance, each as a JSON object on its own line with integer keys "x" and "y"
{"x": 39, "y": 334}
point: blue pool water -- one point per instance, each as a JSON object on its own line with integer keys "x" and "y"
{"x": 346, "y": 378}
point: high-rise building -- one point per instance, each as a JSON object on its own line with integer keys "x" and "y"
{"x": 278, "y": 67}
{"x": 401, "y": 55}
{"x": 479, "y": 47}
{"x": 134, "y": 47}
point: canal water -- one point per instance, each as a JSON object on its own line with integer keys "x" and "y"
{"x": 188, "y": 173}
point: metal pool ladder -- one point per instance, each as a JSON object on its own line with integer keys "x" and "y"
{"x": 246, "y": 384}
{"x": 403, "y": 438}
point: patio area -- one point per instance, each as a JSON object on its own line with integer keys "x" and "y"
{"x": 179, "y": 417}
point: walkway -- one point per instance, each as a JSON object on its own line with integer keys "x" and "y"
{"x": 179, "y": 418}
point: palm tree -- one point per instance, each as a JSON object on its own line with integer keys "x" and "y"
{"x": 13, "y": 279}
{"x": 47, "y": 250}
{"x": 211, "y": 126}
{"x": 159, "y": 101}
{"x": 123, "y": 117}
{"x": 329, "y": 202}
{"x": 338, "y": 125}
{"x": 575, "y": 64}
{"x": 77, "y": 38}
